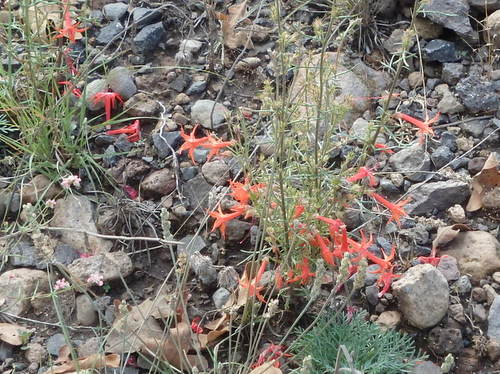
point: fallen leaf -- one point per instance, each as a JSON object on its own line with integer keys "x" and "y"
{"x": 447, "y": 234}
{"x": 95, "y": 361}
{"x": 218, "y": 328}
{"x": 266, "y": 368}
{"x": 12, "y": 334}
{"x": 249, "y": 273}
{"x": 483, "y": 182}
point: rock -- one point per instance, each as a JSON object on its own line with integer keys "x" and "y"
{"x": 456, "y": 311}
{"x": 475, "y": 127}
{"x": 427, "y": 29}
{"x": 426, "y": 367}
{"x": 493, "y": 350}
{"x": 109, "y": 32}
{"x": 463, "y": 285}
{"x": 448, "y": 266}
{"x": 372, "y": 294}
{"x": 97, "y": 85}
{"x": 478, "y": 94}
{"x": 410, "y": 161}
{"x": 441, "y": 156}
{"x": 482, "y": 5}
{"x": 448, "y": 103}
{"x": 452, "y": 72}
{"x": 494, "y": 320}
{"x": 196, "y": 88}
{"x": 187, "y": 48}
{"x": 451, "y": 14}
{"x": 360, "y": 130}
{"x": 479, "y": 313}
{"x": 162, "y": 143}
{"x": 457, "y": 214}
{"x": 450, "y": 140}
{"x": 228, "y": 278}
{"x": 475, "y": 165}
{"x": 121, "y": 81}
{"x": 441, "y": 51}
{"x": 180, "y": 119}
{"x": 55, "y": 343}
{"x": 191, "y": 244}
{"x": 9, "y": 202}
{"x": 266, "y": 144}
{"x": 149, "y": 37}
{"x": 247, "y": 64}
{"x": 89, "y": 346}
{"x": 141, "y": 105}
{"x": 24, "y": 254}
{"x": 493, "y": 27}
{"x": 220, "y": 297}
{"x": 389, "y": 319}
{"x": 478, "y": 294}
{"x": 394, "y": 42}
{"x": 415, "y": 79}
{"x": 477, "y": 253}
{"x": 423, "y": 295}
{"x": 189, "y": 173}
{"x": 114, "y": 11}
{"x": 86, "y": 314}
{"x": 77, "y": 212}
{"x": 490, "y": 293}
{"x": 19, "y": 287}
{"x": 201, "y": 110}
{"x": 40, "y": 187}
{"x": 182, "y": 99}
{"x": 110, "y": 265}
{"x": 145, "y": 16}
{"x": 443, "y": 341}
{"x": 180, "y": 82}
{"x": 159, "y": 183}
{"x": 204, "y": 269}
{"x": 216, "y": 172}
{"x": 236, "y": 230}
{"x": 197, "y": 191}
{"x": 436, "y": 195}
{"x": 35, "y": 352}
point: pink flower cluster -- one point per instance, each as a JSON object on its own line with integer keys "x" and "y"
{"x": 61, "y": 284}
{"x": 71, "y": 180}
{"x": 96, "y": 279}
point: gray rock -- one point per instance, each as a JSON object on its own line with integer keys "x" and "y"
{"x": 141, "y": 105}
{"x": 448, "y": 103}
{"x": 189, "y": 173}
{"x": 372, "y": 294}
{"x": 388, "y": 187}
{"x": 122, "y": 143}
{"x": 216, "y": 172}
{"x": 109, "y": 32}
{"x": 65, "y": 254}
{"x": 191, "y": 244}
{"x": 452, "y": 14}
{"x": 86, "y": 314}
{"x": 436, "y": 195}
{"x": 97, "y": 85}
{"x": 197, "y": 191}
{"x": 77, "y": 212}
{"x": 6, "y": 351}
{"x": 114, "y": 11}
{"x": 204, "y": 269}
{"x": 443, "y": 341}
{"x": 360, "y": 130}
{"x": 448, "y": 266}
{"x": 441, "y": 51}
{"x": 494, "y": 320}
{"x": 423, "y": 295}
{"x": 449, "y": 140}
{"x": 201, "y": 110}
{"x": 220, "y": 297}
{"x": 410, "y": 161}
{"x": 112, "y": 266}
{"x": 110, "y": 158}
{"x": 159, "y": 183}
{"x": 161, "y": 143}
{"x": 441, "y": 156}
{"x": 478, "y": 94}
{"x": 371, "y": 277}
{"x": 266, "y": 144}
{"x": 149, "y": 37}
{"x": 463, "y": 285}
{"x": 236, "y": 230}
{"x": 228, "y": 278}
{"x": 489, "y": 5}
{"x": 25, "y": 254}
{"x": 475, "y": 165}
{"x": 180, "y": 82}
{"x": 475, "y": 127}
{"x": 55, "y": 343}
{"x": 452, "y": 72}
{"x": 145, "y": 16}
{"x": 477, "y": 253}
{"x": 121, "y": 81}
{"x": 104, "y": 140}
{"x": 197, "y": 88}
{"x": 426, "y": 367}
{"x": 479, "y": 313}
{"x": 36, "y": 353}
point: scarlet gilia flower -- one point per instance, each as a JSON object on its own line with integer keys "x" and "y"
{"x": 195, "y": 325}
{"x": 385, "y": 280}
{"x": 273, "y": 352}
{"x": 362, "y": 173}
{"x": 69, "y": 61}
{"x": 109, "y": 99}
{"x": 221, "y": 220}
{"x": 215, "y": 146}
{"x": 303, "y": 272}
{"x": 69, "y": 29}
{"x": 383, "y": 148}
{"x": 396, "y": 210}
{"x": 191, "y": 142}
{"x": 253, "y": 286}
{"x": 133, "y": 130}
{"x": 76, "y": 91}
{"x": 423, "y": 126}
{"x": 298, "y": 211}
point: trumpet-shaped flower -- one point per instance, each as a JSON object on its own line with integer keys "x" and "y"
{"x": 362, "y": 173}
{"x": 423, "y": 126}
{"x": 69, "y": 29}
{"x": 109, "y": 99}
{"x": 133, "y": 130}
{"x": 221, "y": 219}
{"x": 396, "y": 210}
{"x": 191, "y": 142}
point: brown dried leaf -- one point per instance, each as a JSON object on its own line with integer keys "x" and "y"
{"x": 236, "y": 35}
{"x": 95, "y": 361}
{"x": 219, "y": 327}
{"x": 487, "y": 179}
{"x": 266, "y": 368}
{"x": 12, "y": 334}
{"x": 447, "y": 234}
{"x": 249, "y": 273}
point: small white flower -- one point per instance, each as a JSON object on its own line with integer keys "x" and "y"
{"x": 51, "y": 203}
{"x": 70, "y": 180}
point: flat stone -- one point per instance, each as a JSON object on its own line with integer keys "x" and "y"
{"x": 86, "y": 314}
{"x": 478, "y": 94}
{"x": 411, "y": 162}
{"x": 197, "y": 191}
{"x": 149, "y": 37}
{"x": 91, "y": 89}
{"x": 216, "y": 172}
{"x": 422, "y": 288}
{"x": 452, "y": 72}
{"x": 451, "y": 14}
{"x": 114, "y": 11}
{"x": 441, "y": 51}
{"x": 191, "y": 244}
{"x": 109, "y": 32}
{"x": 389, "y": 319}
{"x": 220, "y": 297}
{"x": 160, "y": 183}
{"x": 448, "y": 266}
{"x": 40, "y": 187}
{"x": 162, "y": 143}
{"x": 145, "y": 16}
{"x": 141, "y": 105}
{"x": 201, "y": 110}
{"x": 441, "y": 156}
{"x": 445, "y": 340}
{"x": 55, "y": 343}
{"x": 436, "y": 195}
{"x": 494, "y": 320}
{"x": 121, "y": 81}
{"x": 111, "y": 266}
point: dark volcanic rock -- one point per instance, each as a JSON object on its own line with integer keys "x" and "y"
{"x": 478, "y": 94}
{"x": 436, "y": 195}
{"x": 149, "y": 37}
{"x": 441, "y": 51}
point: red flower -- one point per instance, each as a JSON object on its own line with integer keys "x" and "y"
{"x": 326, "y": 253}
{"x": 195, "y": 326}
{"x": 272, "y": 352}
{"x": 221, "y": 219}
{"x": 215, "y": 146}
{"x": 131, "y": 192}
{"x": 423, "y": 126}
{"x": 191, "y": 142}
{"x": 363, "y": 172}
{"x": 304, "y": 272}
{"x": 396, "y": 210}
{"x": 69, "y": 29}
{"x": 134, "y": 131}
{"x": 385, "y": 280}
{"x": 253, "y": 285}
{"x": 109, "y": 99}
{"x": 383, "y": 148}
{"x": 74, "y": 90}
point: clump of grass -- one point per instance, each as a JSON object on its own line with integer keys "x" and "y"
{"x": 370, "y": 350}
